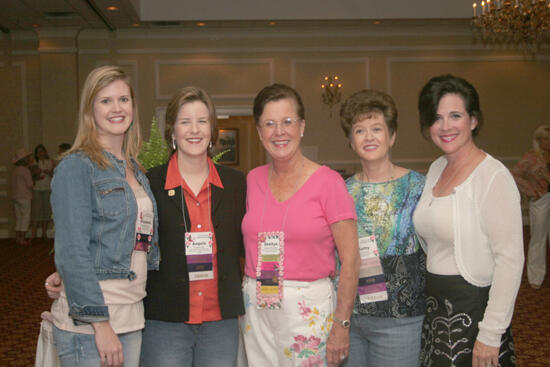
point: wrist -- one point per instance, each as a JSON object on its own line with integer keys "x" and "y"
{"x": 343, "y": 323}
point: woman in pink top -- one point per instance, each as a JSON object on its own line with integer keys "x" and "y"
{"x": 532, "y": 175}
{"x": 22, "y": 194}
{"x": 298, "y": 213}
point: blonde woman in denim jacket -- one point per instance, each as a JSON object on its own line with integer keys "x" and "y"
{"x": 106, "y": 220}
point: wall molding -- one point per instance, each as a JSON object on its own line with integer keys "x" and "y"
{"x": 507, "y": 161}
{"x": 391, "y": 60}
{"x": 351, "y": 60}
{"x": 159, "y": 63}
{"x": 24, "y": 101}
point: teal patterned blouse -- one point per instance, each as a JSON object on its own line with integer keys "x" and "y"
{"x": 386, "y": 209}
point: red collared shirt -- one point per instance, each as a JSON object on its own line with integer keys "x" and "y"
{"x": 203, "y": 294}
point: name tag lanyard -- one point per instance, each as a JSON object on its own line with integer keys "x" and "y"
{"x": 199, "y": 246}
{"x": 372, "y": 281}
{"x": 271, "y": 250}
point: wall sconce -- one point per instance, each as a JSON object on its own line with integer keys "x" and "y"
{"x": 332, "y": 91}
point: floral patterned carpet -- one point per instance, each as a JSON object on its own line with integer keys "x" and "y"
{"x": 23, "y": 299}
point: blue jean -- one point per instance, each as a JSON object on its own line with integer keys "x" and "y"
{"x": 76, "y": 349}
{"x": 384, "y": 342}
{"x": 167, "y": 344}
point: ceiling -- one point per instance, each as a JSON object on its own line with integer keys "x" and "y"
{"x": 21, "y": 15}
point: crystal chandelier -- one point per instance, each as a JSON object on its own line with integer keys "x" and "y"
{"x": 521, "y": 22}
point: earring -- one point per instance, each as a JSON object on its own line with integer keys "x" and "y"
{"x": 210, "y": 145}
{"x": 301, "y": 135}
{"x": 173, "y": 143}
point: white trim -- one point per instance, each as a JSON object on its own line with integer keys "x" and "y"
{"x": 61, "y": 32}
{"x": 93, "y": 34}
{"x": 24, "y": 102}
{"x": 350, "y": 60}
{"x": 134, "y": 76}
{"x": 390, "y": 60}
{"x": 306, "y": 49}
{"x": 55, "y": 50}
{"x": 24, "y": 52}
{"x": 160, "y": 113}
{"x": 93, "y": 51}
{"x": 307, "y": 32}
{"x": 23, "y": 35}
{"x": 234, "y": 110}
{"x": 268, "y": 61}
{"x": 409, "y": 161}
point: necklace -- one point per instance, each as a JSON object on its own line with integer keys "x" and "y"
{"x": 364, "y": 175}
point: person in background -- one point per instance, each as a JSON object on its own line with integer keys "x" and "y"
{"x": 469, "y": 223}
{"x": 298, "y": 213}
{"x": 106, "y": 230}
{"x": 193, "y": 301}
{"x": 386, "y": 324}
{"x": 41, "y": 212}
{"x": 62, "y": 148}
{"x": 532, "y": 174}
{"x": 21, "y": 185}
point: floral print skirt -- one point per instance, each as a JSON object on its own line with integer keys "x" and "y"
{"x": 453, "y": 310}
{"x": 294, "y": 335}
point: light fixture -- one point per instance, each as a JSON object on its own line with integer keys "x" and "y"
{"x": 332, "y": 91}
{"x": 112, "y": 8}
{"x": 520, "y": 22}
{"x": 201, "y": 24}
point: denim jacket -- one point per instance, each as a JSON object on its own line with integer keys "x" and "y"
{"x": 95, "y": 214}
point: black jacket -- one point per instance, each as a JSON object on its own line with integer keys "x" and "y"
{"x": 168, "y": 288}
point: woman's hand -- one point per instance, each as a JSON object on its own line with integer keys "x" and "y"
{"x": 337, "y": 345}
{"x": 53, "y": 285}
{"x": 484, "y": 355}
{"x": 108, "y": 345}
{"x": 345, "y": 236}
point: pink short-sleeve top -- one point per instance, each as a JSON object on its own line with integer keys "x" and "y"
{"x": 305, "y": 219}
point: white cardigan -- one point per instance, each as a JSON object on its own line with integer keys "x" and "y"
{"x": 488, "y": 238}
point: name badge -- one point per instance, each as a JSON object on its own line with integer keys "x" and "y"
{"x": 198, "y": 248}
{"x": 269, "y": 270}
{"x": 144, "y": 231}
{"x": 372, "y": 282}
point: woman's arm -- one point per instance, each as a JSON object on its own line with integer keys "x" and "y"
{"x": 501, "y": 216}
{"x": 345, "y": 236}
{"x": 71, "y": 198}
{"x": 523, "y": 175}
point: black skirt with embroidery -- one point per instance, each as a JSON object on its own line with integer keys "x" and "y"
{"x": 454, "y": 308}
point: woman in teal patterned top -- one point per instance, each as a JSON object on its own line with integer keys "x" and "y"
{"x": 389, "y": 308}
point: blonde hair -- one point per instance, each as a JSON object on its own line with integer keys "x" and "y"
{"x": 181, "y": 97}
{"x": 87, "y": 137}
{"x": 539, "y": 133}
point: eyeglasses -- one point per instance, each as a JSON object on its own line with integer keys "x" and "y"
{"x": 285, "y": 124}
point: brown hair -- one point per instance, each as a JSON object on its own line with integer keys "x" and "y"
{"x": 187, "y": 95}
{"x": 276, "y": 92}
{"x": 363, "y": 104}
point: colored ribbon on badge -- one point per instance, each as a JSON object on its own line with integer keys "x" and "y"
{"x": 269, "y": 270}
{"x": 372, "y": 281}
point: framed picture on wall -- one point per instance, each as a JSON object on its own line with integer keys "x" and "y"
{"x": 228, "y": 140}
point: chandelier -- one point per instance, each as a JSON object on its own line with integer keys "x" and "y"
{"x": 332, "y": 91}
{"x": 520, "y": 22}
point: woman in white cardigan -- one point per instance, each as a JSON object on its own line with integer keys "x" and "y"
{"x": 469, "y": 223}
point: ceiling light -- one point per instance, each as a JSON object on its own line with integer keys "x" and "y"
{"x": 201, "y": 24}
{"x": 112, "y": 8}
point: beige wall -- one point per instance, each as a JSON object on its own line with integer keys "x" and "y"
{"x": 41, "y": 73}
